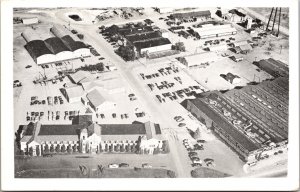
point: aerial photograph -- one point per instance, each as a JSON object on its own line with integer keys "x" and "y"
{"x": 150, "y": 92}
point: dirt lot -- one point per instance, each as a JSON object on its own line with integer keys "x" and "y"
{"x": 70, "y": 162}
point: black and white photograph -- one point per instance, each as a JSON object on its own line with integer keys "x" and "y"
{"x": 132, "y": 92}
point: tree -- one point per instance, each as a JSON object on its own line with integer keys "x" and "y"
{"x": 117, "y": 148}
{"x": 106, "y": 147}
{"x": 179, "y": 46}
{"x": 69, "y": 148}
{"x": 122, "y": 149}
{"x": 52, "y": 148}
{"x": 126, "y": 52}
{"x": 57, "y": 148}
{"x": 219, "y": 13}
{"x": 171, "y": 174}
{"x": 100, "y": 148}
{"x": 46, "y": 148}
{"x": 37, "y": 151}
{"x": 63, "y": 148}
{"x": 80, "y": 36}
{"x": 111, "y": 148}
{"x": 74, "y": 148}
{"x": 30, "y": 151}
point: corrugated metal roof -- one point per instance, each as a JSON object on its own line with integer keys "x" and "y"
{"x": 56, "y": 45}
{"x": 37, "y": 48}
{"x": 152, "y": 43}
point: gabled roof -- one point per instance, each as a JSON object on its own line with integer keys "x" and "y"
{"x": 191, "y": 14}
{"x": 94, "y": 128}
{"x": 96, "y": 98}
{"x": 79, "y": 76}
{"x": 74, "y": 92}
{"x": 71, "y": 44}
{"x": 123, "y": 129}
{"x": 152, "y": 43}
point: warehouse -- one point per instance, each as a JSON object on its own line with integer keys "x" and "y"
{"x": 46, "y": 47}
{"x": 274, "y": 67}
{"x": 191, "y": 15}
{"x": 100, "y": 101}
{"x": 155, "y": 45}
{"x": 199, "y": 59}
{"x": 213, "y": 31}
{"x": 84, "y": 136}
{"x": 30, "y": 20}
{"x": 163, "y": 10}
{"x": 253, "y": 121}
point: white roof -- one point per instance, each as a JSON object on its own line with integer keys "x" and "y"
{"x": 79, "y": 76}
{"x": 245, "y": 47}
{"x": 201, "y": 58}
{"x": 218, "y": 47}
{"x": 216, "y": 29}
{"x": 29, "y": 35}
{"x": 109, "y": 84}
{"x": 239, "y": 43}
{"x": 98, "y": 96}
{"x": 74, "y": 92}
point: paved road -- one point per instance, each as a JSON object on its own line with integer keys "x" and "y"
{"x": 163, "y": 118}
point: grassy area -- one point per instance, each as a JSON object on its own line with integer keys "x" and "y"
{"x": 204, "y": 172}
{"x": 106, "y": 173}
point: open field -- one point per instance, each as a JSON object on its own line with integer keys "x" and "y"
{"x": 106, "y": 173}
{"x": 204, "y": 172}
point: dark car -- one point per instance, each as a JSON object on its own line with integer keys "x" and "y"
{"x": 196, "y": 165}
{"x": 181, "y": 124}
{"x": 101, "y": 58}
{"x": 28, "y": 118}
{"x": 123, "y": 165}
{"x": 201, "y": 141}
{"x": 195, "y": 158}
{"x": 193, "y": 153}
{"x": 28, "y": 66}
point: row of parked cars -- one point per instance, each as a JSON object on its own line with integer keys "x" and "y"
{"x": 57, "y": 100}
{"x": 114, "y": 165}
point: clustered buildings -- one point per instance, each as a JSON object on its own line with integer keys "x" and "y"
{"x": 253, "y": 120}
{"x": 57, "y": 44}
{"x": 143, "y": 37}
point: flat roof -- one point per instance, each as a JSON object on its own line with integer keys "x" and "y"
{"x": 143, "y": 36}
{"x": 201, "y": 58}
{"x": 191, "y": 14}
{"x": 152, "y": 43}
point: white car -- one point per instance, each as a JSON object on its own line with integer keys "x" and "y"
{"x": 113, "y": 166}
{"x": 199, "y": 161}
{"x": 146, "y": 165}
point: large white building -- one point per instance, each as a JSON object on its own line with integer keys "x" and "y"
{"x": 84, "y": 136}
{"x": 48, "y": 46}
{"x": 163, "y": 10}
{"x": 199, "y": 59}
{"x": 30, "y": 20}
{"x": 214, "y": 31}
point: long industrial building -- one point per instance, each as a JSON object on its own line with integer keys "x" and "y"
{"x": 213, "y": 31}
{"x": 191, "y": 15}
{"x": 274, "y": 67}
{"x": 253, "y": 120}
{"x": 56, "y": 44}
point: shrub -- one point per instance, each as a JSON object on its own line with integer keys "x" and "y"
{"x": 122, "y": 149}
{"x": 52, "y": 148}
{"x": 46, "y": 148}
{"x": 69, "y": 149}
{"x": 37, "y": 151}
{"x": 127, "y": 148}
{"x": 171, "y": 174}
{"x": 74, "y": 148}
{"x": 30, "y": 151}
{"x": 137, "y": 168}
{"x": 57, "y": 148}
{"x": 63, "y": 148}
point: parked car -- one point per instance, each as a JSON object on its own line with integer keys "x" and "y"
{"x": 146, "y": 165}
{"x": 181, "y": 124}
{"x": 193, "y": 153}
{"x": 123, "y": 165}
{"x": 195, "y": 158}
{"x": 113, "y": 166}
{"x": 201, "y": 141}
{"x": 197, "y": 161}
{"x": 28, "y": 66}
{"x": 196, "y": 164}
